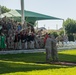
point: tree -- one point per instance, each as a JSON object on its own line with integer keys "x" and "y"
{"x": 70, "y": 26}
{"x": 4, "y": 9}
{"x": 55, "y": 34}
{"x": 61, "y": 32}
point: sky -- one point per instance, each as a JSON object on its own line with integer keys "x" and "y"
{"x": 57, "y": 8}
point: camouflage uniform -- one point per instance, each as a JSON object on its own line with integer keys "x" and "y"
{"x": 54, "y": 50}
{"x": 48, "y": 47}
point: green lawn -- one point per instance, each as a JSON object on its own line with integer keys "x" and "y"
{"x": 28, "y": 64}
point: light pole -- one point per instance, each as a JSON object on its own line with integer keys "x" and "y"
{"x": 44, "y": 25}
{"x": 22, "y": 10}
{"x": 56, "y": 26}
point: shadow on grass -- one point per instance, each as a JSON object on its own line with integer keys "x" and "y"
{"x": 16, "y": 67}
{"x": 7, "y": 67}
{"x": 35, "y": 57}
{"x": 67, "y": 58}
{"x": 28, "y": 57}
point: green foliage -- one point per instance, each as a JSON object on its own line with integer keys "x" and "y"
{"x": 34, "y": 64}
{"x": 55, "y": 34}
{"x": 70, "y": 37}
{"x": 4, "y": 9}
{"x": 70, "y": 26}
{"x": 61, "y": 32}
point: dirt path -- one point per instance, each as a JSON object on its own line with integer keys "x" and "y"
{"x": 59, "y": 63}
{"x": 63, "y": 63}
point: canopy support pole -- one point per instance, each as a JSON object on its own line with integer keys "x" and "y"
{"x": 0, "y": 11}
{"x": 22, "y": 9}
{"x": 64, "y": 27}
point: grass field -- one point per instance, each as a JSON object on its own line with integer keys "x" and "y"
{"x": 27, "y": 64}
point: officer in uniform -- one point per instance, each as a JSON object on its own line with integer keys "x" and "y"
{"x": 48, "y": 47}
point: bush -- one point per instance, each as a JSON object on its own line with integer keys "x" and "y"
{"x": 55, "y": 34}
{"x": 70, "y": 37}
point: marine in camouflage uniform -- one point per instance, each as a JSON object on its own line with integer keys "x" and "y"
{"x": 54, "y": 53}
{"x": 48, "y": 47}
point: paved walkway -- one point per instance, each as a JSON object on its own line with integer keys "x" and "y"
{"x": 22, "y": 51}
{"x": 29, "y": 51}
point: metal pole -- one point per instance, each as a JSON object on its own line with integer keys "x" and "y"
{"x": 56, "y": 26}
{"x": 64, "y": 27}
{"x": 22, "y": 9}
{"x": 0, "y": 11}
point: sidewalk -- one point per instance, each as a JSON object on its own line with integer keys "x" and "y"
{"x": 22, "y": 51}
{"x": 31, "y": 50}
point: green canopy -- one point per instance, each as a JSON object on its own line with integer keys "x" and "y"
{"x": 29, "y": 16}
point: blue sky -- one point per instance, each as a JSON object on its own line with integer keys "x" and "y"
{"x": 58, "y": 8}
